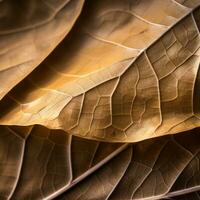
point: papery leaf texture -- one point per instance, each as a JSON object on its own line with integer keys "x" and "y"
{"x": 100, "y": 100}
{"x": 29, "y": 31}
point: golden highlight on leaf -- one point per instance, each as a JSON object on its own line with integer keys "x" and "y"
{"x": 125, "y": 80}
{"x": 99, "y": 100}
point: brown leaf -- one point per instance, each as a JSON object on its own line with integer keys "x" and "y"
{"x": 123, "y": 80}
{"x": 38, "y": 163}
{"x": 161, "y": 168}
{"x": 42, "y": 164}
{"x": 124, "y": 71}
{"x": 29, "y": 31}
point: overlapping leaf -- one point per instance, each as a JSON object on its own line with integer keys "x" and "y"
{"x": 37, "y": 163}
{"x": 106, "y": 70}
{"x": 42, "y": 164}
{"x": 158, "y": 168}
{"x": 29, "y": 31}
{"x": 127, "y": 71}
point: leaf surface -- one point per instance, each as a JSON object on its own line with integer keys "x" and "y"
{"x": 47, "y": 164}
{"x": 38, "y": 163}
{"x": 105, "y": 80}
{"x": 141, "y": 67}
{"x": 29, "y": 31}
{"x": 161, "y": 168}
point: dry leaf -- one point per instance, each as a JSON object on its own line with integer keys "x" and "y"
{"x": 141, "y": 67}
{"x": 38, "y": 163}
{"x": 29, "y": 31}
{"x": 159, "y": 168}
{"x": 98, "y": 76}
{"x": 44, "y": 164}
